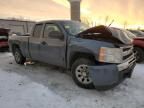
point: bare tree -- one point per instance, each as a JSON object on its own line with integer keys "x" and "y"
{"x": 125, "y": 24}
{"x": 106, "y": 19}
{"x": 88, "y": 21}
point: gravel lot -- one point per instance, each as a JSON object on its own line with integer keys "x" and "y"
{"x": 43, "y": 86}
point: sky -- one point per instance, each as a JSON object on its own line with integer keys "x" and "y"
{"x": 122, "y": 12}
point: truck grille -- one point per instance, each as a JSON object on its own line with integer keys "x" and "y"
{"x": 128, "y": 54}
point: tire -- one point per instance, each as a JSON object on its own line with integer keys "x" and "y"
{"x": 140, "y": 54}
{"x": 19, "y": 58}
{"x": 79, "y": 73}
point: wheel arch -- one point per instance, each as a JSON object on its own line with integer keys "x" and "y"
{"x": 76, "y": 55}
{"x": 139, "y": 47}
{"x": 140, "y": 53}
{"x": 14, "y": 46}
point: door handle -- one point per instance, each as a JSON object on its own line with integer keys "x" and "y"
{"x": 43, "y": 43}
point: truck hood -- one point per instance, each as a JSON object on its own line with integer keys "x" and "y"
{"x": 106, "y": 34}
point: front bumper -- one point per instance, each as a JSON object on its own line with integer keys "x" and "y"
{"x": 4, "y": 46}
{"x": 4, "y": 49}
{"x": 108, "y": 75}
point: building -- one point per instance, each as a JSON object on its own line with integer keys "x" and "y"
{"x": 17, "y": 26}
{"x": 75, "y": 9}
{"x": 23, "y": 27}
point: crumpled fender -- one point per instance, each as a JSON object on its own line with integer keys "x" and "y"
{"x": 104, "y": 75}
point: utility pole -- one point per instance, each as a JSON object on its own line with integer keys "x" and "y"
{"x": 75, "y": 9}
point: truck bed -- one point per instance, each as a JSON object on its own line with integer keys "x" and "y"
{"x": 22, "y": 41}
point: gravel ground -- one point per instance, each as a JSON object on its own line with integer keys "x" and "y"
{"x": 43, "y": 86}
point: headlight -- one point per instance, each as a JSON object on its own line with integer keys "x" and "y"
{"x": 110, "y": 55}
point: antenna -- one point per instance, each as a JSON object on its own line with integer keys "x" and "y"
{"x": 111, "y": 23}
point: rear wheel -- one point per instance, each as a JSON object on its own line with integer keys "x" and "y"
{"x": 140, "y": 54}
{"x": 19, "y": 58}
{"x": 80, "y": 73}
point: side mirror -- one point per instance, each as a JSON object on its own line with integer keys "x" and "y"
{"x": 56, "y": 35}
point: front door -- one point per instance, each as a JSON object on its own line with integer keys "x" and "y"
{"x": 52, "y": 50}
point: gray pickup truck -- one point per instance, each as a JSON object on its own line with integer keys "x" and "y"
{"x": 97, "y": 57}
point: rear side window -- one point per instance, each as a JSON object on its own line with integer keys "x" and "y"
{"x": 37, "y": 30}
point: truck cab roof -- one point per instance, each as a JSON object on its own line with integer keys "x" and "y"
{"x": 55, "y": 21}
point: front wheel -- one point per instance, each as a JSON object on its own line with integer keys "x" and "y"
{"x": 19, "y": 58}
{"x": 80, "y": 73}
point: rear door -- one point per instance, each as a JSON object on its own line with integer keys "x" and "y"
{"x": 34, "y": 42}
{"x": 52, "y": 50}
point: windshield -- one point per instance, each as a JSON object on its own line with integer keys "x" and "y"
{"x": 137, "y": 33}
{"x": 142, "y": 33}
{"x": 74, "y": 27}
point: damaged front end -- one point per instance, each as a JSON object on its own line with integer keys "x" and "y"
{"x": 115, "y": 70}
{"x": 99, "y": 33}
{"x": 109, "y": 75}
{"x": 116, "y": 63}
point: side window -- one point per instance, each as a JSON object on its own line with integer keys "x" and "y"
{"x": 50, "y": 28}
{"x": 37, "y": 30}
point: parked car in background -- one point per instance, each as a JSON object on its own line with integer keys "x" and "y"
{"x": 138, "y": 33}
{"x": 4, "y": 33}
{"x": 95, "y": 56}
{"x": 138, "y": 42}
{"x": 139, "y": 48}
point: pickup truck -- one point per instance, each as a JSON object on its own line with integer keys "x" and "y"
{"x": 95, "y": 57}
